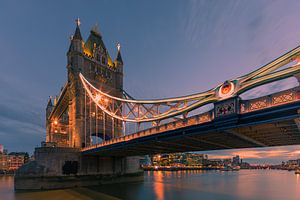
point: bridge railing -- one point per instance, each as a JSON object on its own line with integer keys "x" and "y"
{"x": 245, "y": 106}
{"x": 194, "y": 120}
{"x": 272, "y": 100}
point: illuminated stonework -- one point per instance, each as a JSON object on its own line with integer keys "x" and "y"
{"x": 73, "y": 119}
{"x": 280, "y": 98}
{"x": 226, "y": 90}
{"x": 258, "y": 104}
{"x": 283, "y": 98}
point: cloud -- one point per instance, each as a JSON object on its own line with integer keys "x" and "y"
{"x": 21, "y": 120}
{"x": 213, "y": 22}
{"x": 271, "y": 88}
{"x": 272, "y": 155}
{"x": 20, "y": 135}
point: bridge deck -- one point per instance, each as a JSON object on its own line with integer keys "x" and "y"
{"x": 259, "y": 124}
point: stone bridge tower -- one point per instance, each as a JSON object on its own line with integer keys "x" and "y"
{"x": 72, "y": 119}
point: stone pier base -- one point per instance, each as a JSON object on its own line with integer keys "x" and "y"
{"x": 57, "y": 168}
{"x": 72, "y": 181}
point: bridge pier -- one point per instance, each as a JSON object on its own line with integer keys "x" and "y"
{"x": 60, "y": 167}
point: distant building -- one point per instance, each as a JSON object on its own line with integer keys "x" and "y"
{"x": 227, "y": 162}
{"x": 195, "y": 159}
{"x": 179, "y": 159}
{"x": 145, "y": 161}
{"x": 236, "y": 160}
{"x": 1, "y": 149}
{"x": 15, "y": 161}
{"x": 292, "y": 162}
{"x": 12, "y": 161}
{"x": 244, "y": 165}
{"x": 3, "y": 162}
{"x": 215, "y": 162}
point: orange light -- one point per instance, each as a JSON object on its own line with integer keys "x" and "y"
{"x": 226, "y": 89}
{"x": 98, "y": 97}
{"x": 87, "y": 52}
{"x": 55, "y": 122}
{"x": 298, "y": 60}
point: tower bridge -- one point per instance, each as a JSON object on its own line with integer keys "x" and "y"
{"x": 87, "y": 123}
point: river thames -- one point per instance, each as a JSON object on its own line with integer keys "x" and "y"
{"x": 163, "y": 185}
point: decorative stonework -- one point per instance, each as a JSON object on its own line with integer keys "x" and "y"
{"x": 283, "y": 98}
{"x": 259, "y": 104}
{"x": 205, "y": 118}
{"x": 226, "y": 90}
{"x": 280, "y": 98}
{"x": 225, "y": 108}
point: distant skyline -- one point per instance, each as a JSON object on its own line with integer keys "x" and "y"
{"x": 169, "y": 48}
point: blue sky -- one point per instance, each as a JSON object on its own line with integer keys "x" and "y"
{"x": 169, "y": 48}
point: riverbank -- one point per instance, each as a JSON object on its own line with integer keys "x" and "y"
{"x": 2, "y": 173}
{"x": 172, "y": 168}
{"x": 187, "y": 168}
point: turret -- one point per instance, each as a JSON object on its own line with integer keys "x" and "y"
{"x": 119, "y": 67}
{"x": 118, "y": 60}
{"x": 49, "y": 108}
{"x": 76, "y": 39}
{"x": 75, "y": 53}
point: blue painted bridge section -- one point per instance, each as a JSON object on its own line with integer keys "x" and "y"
{"x": 233, "y": 123}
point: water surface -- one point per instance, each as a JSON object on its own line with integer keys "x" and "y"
{"x": 241, "y": 185}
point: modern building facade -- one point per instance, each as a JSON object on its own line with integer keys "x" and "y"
{"x": 3, "y": 162}
{"x": 13, "y": 161}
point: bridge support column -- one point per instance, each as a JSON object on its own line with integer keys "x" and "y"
{"x": 57, "y": 167}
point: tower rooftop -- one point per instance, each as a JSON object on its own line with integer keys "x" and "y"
{"x": 77, "y": 34}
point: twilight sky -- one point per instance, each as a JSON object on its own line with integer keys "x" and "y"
{"x": 169, "y": 48}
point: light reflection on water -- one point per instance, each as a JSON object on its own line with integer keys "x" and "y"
{"x": 159, "y": 185}
{"x": 241, "y": 185}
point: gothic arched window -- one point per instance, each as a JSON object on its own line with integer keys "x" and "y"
{"x": 103, "y": 60}
{"x": 97, "y": 57}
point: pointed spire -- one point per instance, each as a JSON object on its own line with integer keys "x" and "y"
{"x": 119, "y": 57}
{"x": 96, "y": 30}
{"x": 49, "y": 102}
{"x": 77, "y": 34}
